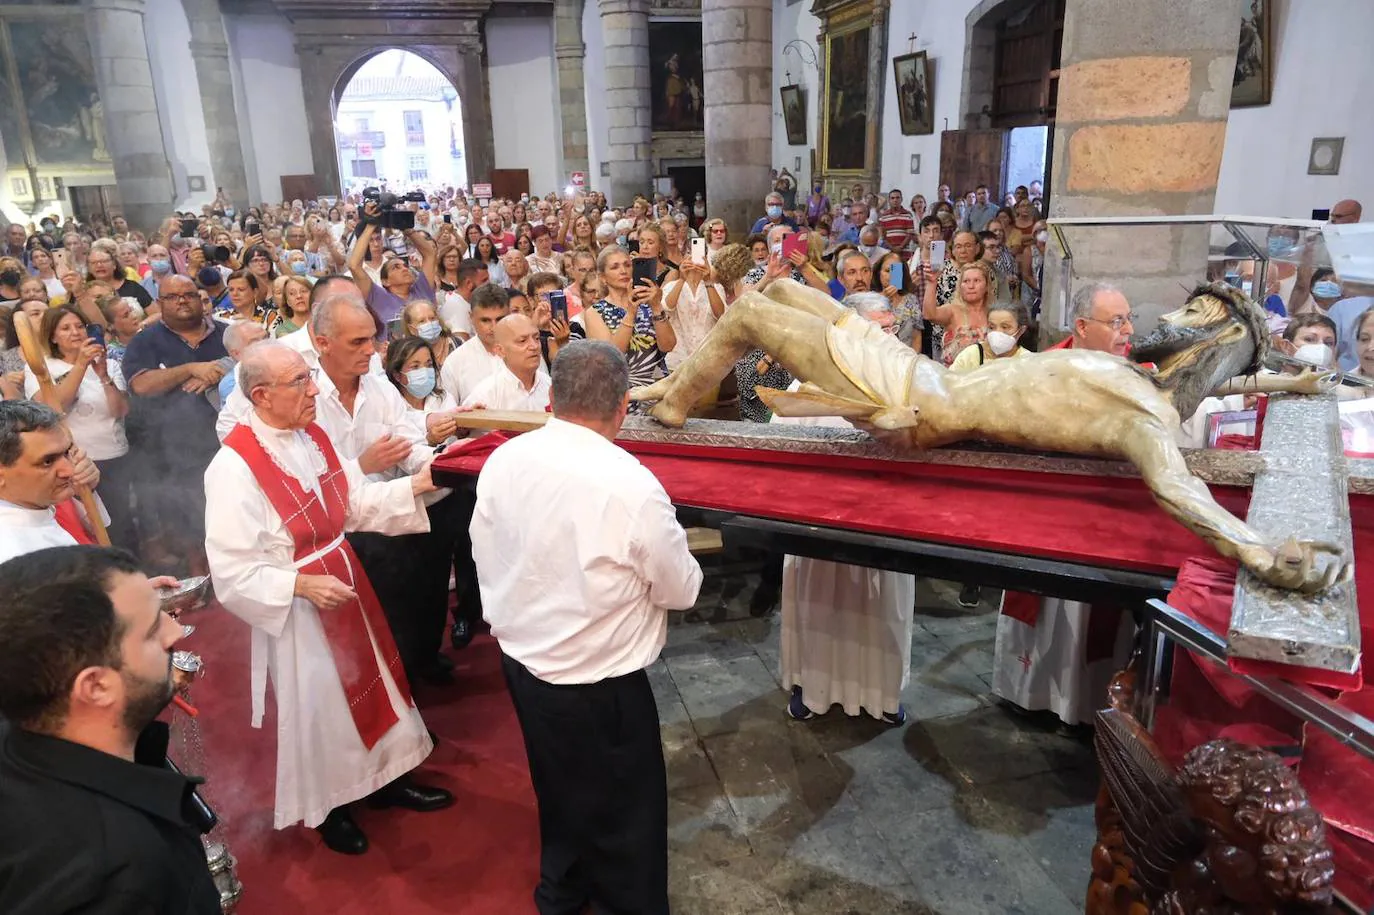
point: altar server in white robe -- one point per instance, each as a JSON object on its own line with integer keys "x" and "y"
{"x": 346, "y": 725}
{"x": 846, "y": 630}
{"x": 39, "y": 472}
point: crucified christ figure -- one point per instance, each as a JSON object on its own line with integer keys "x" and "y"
{"x": 1073, "y": 401}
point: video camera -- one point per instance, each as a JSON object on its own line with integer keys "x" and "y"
{"x": 390, "y": 217}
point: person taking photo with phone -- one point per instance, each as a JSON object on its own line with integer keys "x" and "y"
{"x": 631, "y": 317}
{"x": 91, "y": 395}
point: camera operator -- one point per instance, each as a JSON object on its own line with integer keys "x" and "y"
{"x": 399, "y": 283}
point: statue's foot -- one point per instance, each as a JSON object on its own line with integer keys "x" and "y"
{"x": 668, "y": 414}
{"x": 656, "y": 391}
{"x": 1303, "y": 565}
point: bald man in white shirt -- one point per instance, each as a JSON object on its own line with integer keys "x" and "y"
{"x": 580, "y": 556}
{"x": 520, "y": 383}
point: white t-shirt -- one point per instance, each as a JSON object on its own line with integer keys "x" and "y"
{"x": 94, "y": 428}
{"x": 455, "y": 312}
{"x": 503, "y": 391}
{"x": 466, "y": 367}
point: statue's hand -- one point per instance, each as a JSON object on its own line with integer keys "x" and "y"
{"x": 1308, "y": 566}
{"x": 1310, "y": 381}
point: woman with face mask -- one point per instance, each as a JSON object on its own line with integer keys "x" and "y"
{"x": 1310, "y": 339}
{"x": 1326, "y": 289}
{"x": 420, "y": 319}
{"x": 1006, "y": 326}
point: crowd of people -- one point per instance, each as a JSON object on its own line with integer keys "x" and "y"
{"x": 257, "y": 396}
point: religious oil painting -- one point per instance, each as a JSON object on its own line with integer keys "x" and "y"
{"x": 794, "y": 115}
{"x": 1254, "y": 80}
{"x": 914, "y": 102}
{"x": 675, "y": 76}
{"x": 57, "y": 82}
{"x": 846, "y": 108}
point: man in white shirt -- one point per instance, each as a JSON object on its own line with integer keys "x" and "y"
{"x": 579, "y": 556}
{"x": 477, "y": 359}
{"x": 40, "y": 469}
{"x": 520, "y": 383}
{"x": 454, "y": 308}
{"x": 235, "y": 408}
{"x": 367, "y": 420}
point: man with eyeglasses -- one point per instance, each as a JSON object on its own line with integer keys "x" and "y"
{"x": 1054, "y": 654}
{"x": 279, "y": 495}
{"x": 169, "y": 368}
{"x": 1101, "y": 321}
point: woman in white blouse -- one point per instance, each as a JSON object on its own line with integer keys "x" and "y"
{"x": 93, "y": 399}
{"x": 411, "y": 368}
{"x": 693, "y": 306}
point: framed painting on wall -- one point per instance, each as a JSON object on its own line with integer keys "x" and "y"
{"x": 675, "y": 76}
{"x": 915, "y": 103}
{"x": 845, "y": 131}
{"x": 794, "y": 114}
{"x": 1253, "y": 83}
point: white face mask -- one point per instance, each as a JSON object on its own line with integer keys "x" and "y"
{"x": 1318, "y": 354}
{"x": 1000, "y": 343}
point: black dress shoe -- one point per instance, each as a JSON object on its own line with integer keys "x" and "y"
{"x": 461, "y": 634}
{"x": 434, "y": 674}
{"x": 341, "y": 834}
{"x": 410, "y": 795}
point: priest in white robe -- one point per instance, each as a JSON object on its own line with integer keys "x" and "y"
{"x": 39, "y": 472}
{"x": 846, "y": 630}
{"x": 347, "y": 727}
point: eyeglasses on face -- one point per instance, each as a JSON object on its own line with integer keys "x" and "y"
{"x": 300, "y": 382}
{"x": 1118, "y": 322}
{"x": 179, "y": 296}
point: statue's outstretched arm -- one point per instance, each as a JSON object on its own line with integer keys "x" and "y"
{"x": 1308, "y": 382}
{"x": 1294, "y": 565}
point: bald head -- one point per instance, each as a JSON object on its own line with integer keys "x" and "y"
{"x": 1346, "y": 211}
{"x": 281, "y": 387}
{"x": 517, "y": 343}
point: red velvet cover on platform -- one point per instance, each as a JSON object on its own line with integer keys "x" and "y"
{"x": 1108, "y": 522}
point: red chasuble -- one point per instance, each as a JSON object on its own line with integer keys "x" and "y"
{"x": 69, "y": 519}
{"x": 314, "y": 527}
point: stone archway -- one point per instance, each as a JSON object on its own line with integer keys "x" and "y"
{"x": 331, "y": 51}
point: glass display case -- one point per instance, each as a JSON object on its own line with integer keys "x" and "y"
{"x": 1158, "y": 260}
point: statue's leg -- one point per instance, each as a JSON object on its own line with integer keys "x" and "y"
{"x": 1149, "y": 446}
{"x": 795, "y": 338}
{"x": 803, "y": 298}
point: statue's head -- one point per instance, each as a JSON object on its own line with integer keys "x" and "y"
{"x": 1219, "y": 333}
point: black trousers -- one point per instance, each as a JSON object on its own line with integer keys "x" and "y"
{"x": 116, "y": 490}
{"x": 459, "y": 518}
{"x": 596, "y": 762}
{"x": 410, "y": 575}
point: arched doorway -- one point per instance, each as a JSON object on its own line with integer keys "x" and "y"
{"x": 398, "y": 121}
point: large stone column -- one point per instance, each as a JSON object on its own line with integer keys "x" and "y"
{"x": 133, "y": 134}
{"x": 570, "y": 52}
{"x": 479, "y": 143}
{"x": 1144, "y": 94}
{"x": 737, "y": 76}
{"x": 625, "y": 25}
{"x": 210, "y": 50}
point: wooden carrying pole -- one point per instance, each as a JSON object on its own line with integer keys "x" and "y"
{"x": 38, "y": 364}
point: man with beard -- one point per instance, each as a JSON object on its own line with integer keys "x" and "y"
{"x": 94, "y": 819}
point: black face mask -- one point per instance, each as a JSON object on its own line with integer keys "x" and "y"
{"x": 10, "y": 278}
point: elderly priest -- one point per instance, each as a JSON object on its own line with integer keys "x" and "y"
{"x": 279, "y": 499}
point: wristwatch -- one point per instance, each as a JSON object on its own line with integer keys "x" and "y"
{"x": 661, "y": 316}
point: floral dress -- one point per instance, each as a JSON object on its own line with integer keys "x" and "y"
{"x": 960, "y": 334}
{"x": 645, "y": 359}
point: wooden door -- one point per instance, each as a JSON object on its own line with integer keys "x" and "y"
{"x": 299, "y": 187}
{"x": 510, "y": 182}
{"x": 969, "y": 158}
{"x": 1026, "y": 66}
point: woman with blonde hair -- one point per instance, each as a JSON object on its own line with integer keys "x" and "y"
{"x": 421, "y": 319}
{"x": 653, "y": 245}
{"x": 965, "y": 318}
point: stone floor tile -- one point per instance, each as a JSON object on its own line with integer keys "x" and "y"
{"x": 991, "y": 744}
{"x": 958, "y": 869}
{"x": 723, "y": 695}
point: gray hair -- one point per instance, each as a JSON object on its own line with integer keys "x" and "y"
{"x": 848, "y": 255}
{"x": 777, "y": 230}
{"x": 868, "y": 304}
{"x": 1083, "y": 299}
{"x": 18, "y": 417}
{"x": 605, "y": 231}
{"x": 590, "y": 378}
{"x": 325, "y": 314}
{"x": 235, "y": 335}
{"x": 255, "y": 365}
{"x": 773, "y": 195}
